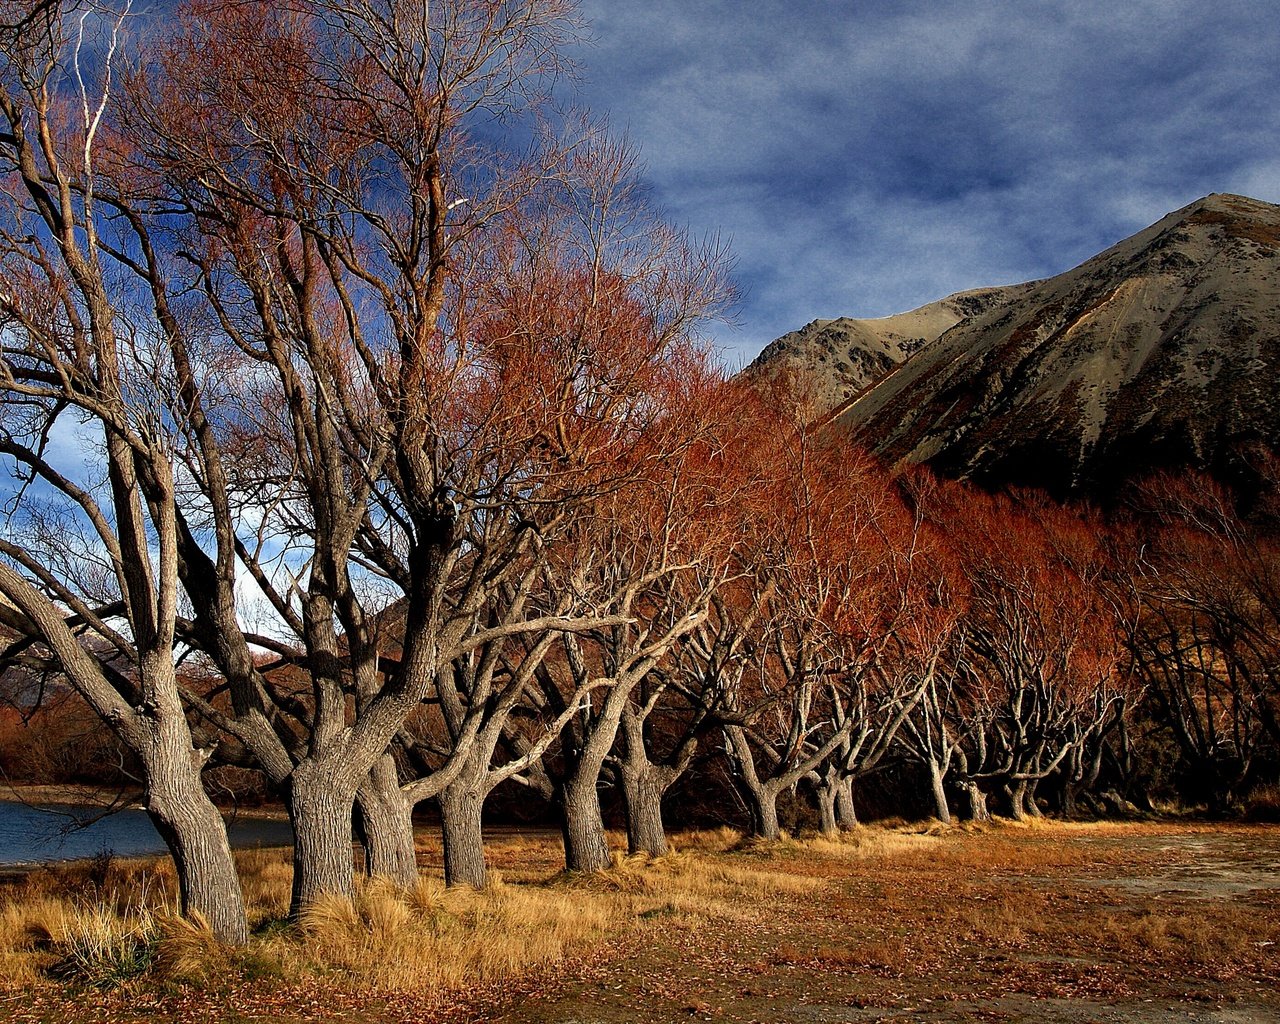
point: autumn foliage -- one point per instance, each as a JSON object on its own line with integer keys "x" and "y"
{"x": 405, "y": 475}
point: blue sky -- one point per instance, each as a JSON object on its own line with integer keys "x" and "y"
{"x": 868, "y": 156}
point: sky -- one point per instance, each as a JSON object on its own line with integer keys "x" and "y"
{"x": 865, "y": 157}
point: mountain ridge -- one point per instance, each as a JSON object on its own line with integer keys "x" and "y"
{"x": 1161, "y": 352}
{"x": 862, "y": 350}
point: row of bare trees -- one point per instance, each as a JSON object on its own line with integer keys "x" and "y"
{"x": 286, "y": 316}
{"x": 351, "y": 444}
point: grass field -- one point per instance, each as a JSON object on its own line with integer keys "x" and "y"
{"x": 1052, "y": 922}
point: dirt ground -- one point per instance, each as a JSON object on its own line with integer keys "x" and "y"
{"x": 1052, "y": 923}
{"x": 1060, "y": 924}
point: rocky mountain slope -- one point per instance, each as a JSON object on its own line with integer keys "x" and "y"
{"x": 1162, "y": 352}
{"x": 836, "y": 360}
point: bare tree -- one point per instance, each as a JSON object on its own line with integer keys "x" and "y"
{"x": 807, "y": 604}
{"x": 78, "y": 354}
{"x": 1043, "y": 669}
{"x": 650, "y": 554}
{"x": 1199, "y": 583}
{"x": 446, "y": 350}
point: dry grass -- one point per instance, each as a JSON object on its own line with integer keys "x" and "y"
{"x": 1194, "y": 938}
{"x": 28, "y": 930}
{"x": 186, "y": 951}
{"x": 103, "y": 948}
{"x": 1006, "y": 920}
{"x": 114, "y": 923}
{"x": 874, "y": 844}
{"x": 986, "y": 888}
{"x": 1263, "y": 805}
{"x": 99, "y": 923}
{"x": 434, "y": 938}
{"x": 686, "y": 887}
{"x": 431, "y": 937}
{"x": 265, "y": 878}
{"x": 1135, "y": 934}
{"x": 720, "y": 840}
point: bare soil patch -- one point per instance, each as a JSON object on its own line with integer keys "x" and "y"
{"x": 1062, "y": 923}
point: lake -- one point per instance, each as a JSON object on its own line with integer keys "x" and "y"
{"x": 36, "y": 834}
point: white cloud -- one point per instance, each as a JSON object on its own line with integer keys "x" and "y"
{"x": 866, "y": 157}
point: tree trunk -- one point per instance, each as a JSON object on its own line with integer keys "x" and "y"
{"x": 1017, "y": 794}
{"x": 192, "y": 828}
{"x": 827, "y": 807}
{"x": 977, "y": 802}
{"x": 835, "y": 802}
{"x": 940, "y": 807}
{"x": 585, "y": 845}
{"x": 761, "y": 798}
{"x": 1070, "y": 799}
{"x": 763, "y": 803}
{"x": 461, "y": 820}
{"x": 386, "y": 824}
{"x": 1029, "y": 802}
{"x": 320, "y": 809}
{"x": 642, "y": 789}
{"x": 846, "y": 813}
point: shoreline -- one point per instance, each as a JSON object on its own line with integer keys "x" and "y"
{"x": 56, "y": 795}
{"x": 66, "y": 794}
{"x": 135, "y": 839}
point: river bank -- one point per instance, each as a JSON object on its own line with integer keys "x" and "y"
{"x": 109, "y": 798}
{"x": 36, "y": 830}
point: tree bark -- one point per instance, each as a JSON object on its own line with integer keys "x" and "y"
{"x": 977, "y": 802}
{"x": 642, "y": 789}
{"x": 1029, "y": 802}
{"x": 763, "y": 803}
{"x": 643, "y": 785}
{"x": 320, "y": 808}
{"x": 940, "y": 808}
{"x": 827, "y": 807}
{"x": 761, "y": 798}
{"x": 193, "y": 829}
{"x": 386, "y": 820}
{"x": 1017, "y": 794}
{"x": 1070, "y": 800}
{"x": 835, "y": 802}
{"x": 461, "y": 820}
{"x": 846, "y": 813}
{"x": 585, "y": 846}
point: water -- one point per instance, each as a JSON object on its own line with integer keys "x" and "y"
{"x": 36, "y": 834}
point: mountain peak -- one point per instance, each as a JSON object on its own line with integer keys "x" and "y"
{"x": 837, "y": 360}
{"x": 1239, "y": 216}
{"x": 1161, "y": 352}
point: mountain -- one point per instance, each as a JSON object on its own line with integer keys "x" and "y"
{"x": 1163, "y": 352}
{"x": 835, "y": 360}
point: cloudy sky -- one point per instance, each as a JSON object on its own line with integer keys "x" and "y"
{"x": 868, "y": 156}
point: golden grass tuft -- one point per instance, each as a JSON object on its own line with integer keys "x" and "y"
{"x": 28, "y": 932}
{"x": 430, "y": 937}
{"x": 187, "y": 951}
{"x": 870, "y": 843}
{"x": 104, "y": 948}
{"x": 720, "y": 840}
